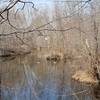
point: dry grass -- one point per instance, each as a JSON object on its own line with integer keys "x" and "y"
{"x": 84, "y": 76}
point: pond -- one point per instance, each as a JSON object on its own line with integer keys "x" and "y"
{"x": 29, "y": 78}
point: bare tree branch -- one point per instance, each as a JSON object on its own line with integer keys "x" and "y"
{"x": 7, "y": 11}
{"x": 24, "y": 2}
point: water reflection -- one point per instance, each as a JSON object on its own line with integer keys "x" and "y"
{"x": 25, "y": 79}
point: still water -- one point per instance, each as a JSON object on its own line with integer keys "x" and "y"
{"x": 28, "y": 78}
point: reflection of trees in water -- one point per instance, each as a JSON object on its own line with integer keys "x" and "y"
{"x": 0, "y": 86}
{"x": 61, "y": 80}
{"x": 18, "y": 81}
{"x": 81, "y": 91}
{"x": 12, "y": 74}
{"x": 60, "y": 87}
{"x": 57, "y": 84}
{"x": 61, "y": 83}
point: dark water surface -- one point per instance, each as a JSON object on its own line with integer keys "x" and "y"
{"x": 26, "y": 78}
